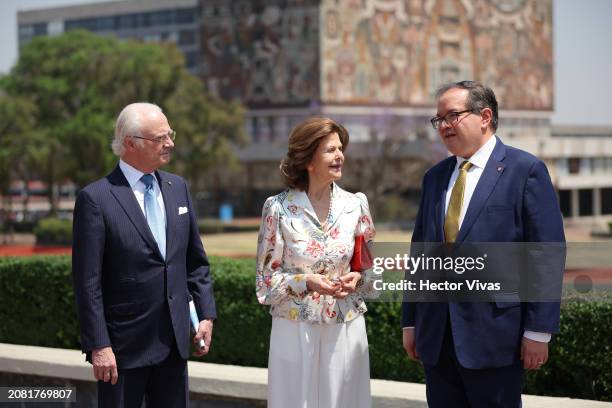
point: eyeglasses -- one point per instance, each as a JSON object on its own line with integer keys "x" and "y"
{"x": 159, "y": 139}
{"x": 450, "y": 118}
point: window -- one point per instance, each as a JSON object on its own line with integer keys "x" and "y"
{"x": 565, "y": 202}
{"x": 586, "y": 165}
{"x": 606, "y": 201}
{"x": 586, "y": 202}
{"x": 574, "y": 165}
{"x": 187, "y": 37}
{"x": 185, "y": 16}
{"x": 256, "y": 129}
{"x": 144, "y": 20}
{"x": 561, "y": 166}
{"x": 126, "y": 22}
{"x": 40, "y": 28}
{"x": 106, "y": 23}
{"x": 599, "y": 165}
{"x": 161, "y": 18}
{"x": 608, "y": 165}
{"x": 26, "y": 30}
{"x": 191, "y": 59}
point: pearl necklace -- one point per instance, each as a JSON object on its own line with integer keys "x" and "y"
{"x": 328, "y": 218}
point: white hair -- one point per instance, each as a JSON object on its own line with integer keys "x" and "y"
{"x": 129, "y": 123}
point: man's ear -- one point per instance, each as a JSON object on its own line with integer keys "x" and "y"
{"x": 487, "y": 116}
{"x": 129, "y": 143}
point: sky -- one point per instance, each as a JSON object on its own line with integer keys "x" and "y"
{"x": 582, "y": 45}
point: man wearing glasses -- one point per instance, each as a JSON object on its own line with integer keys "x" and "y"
{"x": 474, "y": 354}
{"x": 137, "y": 258}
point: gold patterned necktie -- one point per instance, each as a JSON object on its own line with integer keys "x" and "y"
{"x": 451, "y": 222}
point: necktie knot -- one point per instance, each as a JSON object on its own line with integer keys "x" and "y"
{"x": 147, "y": 179}
{"x": 466, "y": 165}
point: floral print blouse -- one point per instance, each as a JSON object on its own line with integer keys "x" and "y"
{"x": 292, "y": 243}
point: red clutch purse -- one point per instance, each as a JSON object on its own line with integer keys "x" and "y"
{"x": 362, "y": 257}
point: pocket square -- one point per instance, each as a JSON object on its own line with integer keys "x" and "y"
{"x": 182, "y": 210}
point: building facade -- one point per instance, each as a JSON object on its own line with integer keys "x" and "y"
{"x": 175, "y": 21}
{"x": 374, "y": 66}
{"x": 370, "y": 62}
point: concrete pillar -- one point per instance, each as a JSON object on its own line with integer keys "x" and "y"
{"x": 575, "y": 204}
{"x": 596, "y": 202}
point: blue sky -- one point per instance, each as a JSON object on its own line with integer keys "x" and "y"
{"x": 583, "y": 55}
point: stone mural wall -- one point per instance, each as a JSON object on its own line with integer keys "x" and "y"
{"x": 376, "y": 52}
{"x": 397, "y": 52}
{"x": 264, "y": 53}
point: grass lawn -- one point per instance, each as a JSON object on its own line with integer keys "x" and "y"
{"x": 244, "y": 244}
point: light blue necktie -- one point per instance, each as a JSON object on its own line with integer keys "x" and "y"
{"x": 153, "y": 214}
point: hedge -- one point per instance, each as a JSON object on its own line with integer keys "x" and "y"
{"x": 53, "y": 231}
{"x": 37, "y": 308}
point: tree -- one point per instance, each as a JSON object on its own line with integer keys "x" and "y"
{"x": 79, "y": 82}
{"x": 18, "y": 147}
{"x": 205, "y": 135}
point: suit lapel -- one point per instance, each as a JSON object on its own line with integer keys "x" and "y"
{"x": 490, "y": 175}
{"x": 441, "y": 203}
{"x": 122, "y": 191}
{"x": 171, "y": 209}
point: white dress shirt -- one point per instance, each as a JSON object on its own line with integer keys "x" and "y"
{"x": 479, "y": 161}
{"x": 133, "y": 176}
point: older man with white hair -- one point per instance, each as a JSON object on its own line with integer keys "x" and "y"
{"x": 137, "y": 260}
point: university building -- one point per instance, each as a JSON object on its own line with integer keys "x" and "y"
{"x": 373, "y": 65}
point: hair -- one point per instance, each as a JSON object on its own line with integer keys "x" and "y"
{"x": 129, "y": 123}
{"x": 479, "y": 97}
{"x": 304, "y": 140}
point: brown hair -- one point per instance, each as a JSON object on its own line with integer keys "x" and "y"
{"x": 303, "y": 143}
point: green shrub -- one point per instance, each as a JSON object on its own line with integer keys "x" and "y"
{"x": 580, "y": 356}
{"x": 37, "y": 302}
{"x": 394, "y": 208}
{"x": 37, "y": 308}
{"x": 53, "y": 231}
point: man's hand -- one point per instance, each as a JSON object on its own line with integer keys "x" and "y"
{"x": 533, "y": 353}
{"x": 321, "y": 284}
{"x": 409, "y": 343}
{"x": 204, "y": 332}
{"x": 348, "y": 284}
{"x": 104, "y": 365}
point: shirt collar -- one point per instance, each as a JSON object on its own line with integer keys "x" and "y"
{"x": 481, "y": 157}
{"x": 132, "y": 174}
{"x": 300, "y": 198}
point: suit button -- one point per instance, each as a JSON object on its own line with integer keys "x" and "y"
{"x": 170, "y": 297}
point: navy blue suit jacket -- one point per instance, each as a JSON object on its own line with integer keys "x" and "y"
{"x": 128, "y": 296}
{"x": 514, "y": 201}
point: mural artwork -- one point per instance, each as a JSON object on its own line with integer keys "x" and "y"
{"x": 261, "y": 52}
{"x": 376, "y": 52}
{"x": 397, "y": 52}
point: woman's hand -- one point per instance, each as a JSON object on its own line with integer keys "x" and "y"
{"x": 348, "y": 284}
{"x": 322, "y": 285}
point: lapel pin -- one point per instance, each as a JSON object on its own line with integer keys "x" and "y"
{"x": 500, "y": 168}
{"x": 169, "y": 183}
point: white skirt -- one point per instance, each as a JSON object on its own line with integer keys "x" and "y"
{"x": 318, "y": 365}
